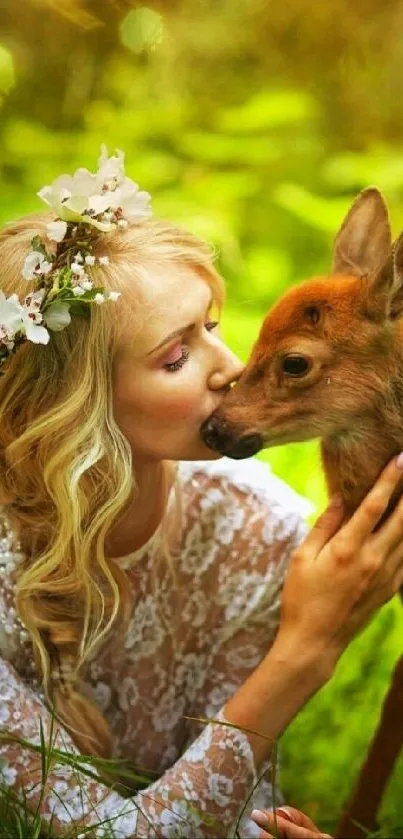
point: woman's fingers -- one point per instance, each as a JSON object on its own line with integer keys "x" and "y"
{"x": 390, "y": 534}
{"x": 291, "y": 832}
{"x": 371, "y": 509}
{"x": 287, "y": 823}
{"x": 325, "y": 526}
{"x": 391, "y": 572}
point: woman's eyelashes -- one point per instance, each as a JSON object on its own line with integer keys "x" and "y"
{"x": 172, "y": 366}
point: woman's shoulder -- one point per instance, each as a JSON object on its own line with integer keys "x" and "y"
{"x": 250, "y": 478}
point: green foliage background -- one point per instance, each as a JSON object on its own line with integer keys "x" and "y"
{"x": 253, "y": 123}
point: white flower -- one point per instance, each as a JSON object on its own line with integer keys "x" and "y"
{"x": 35, "y": 264}
{"x": 78, "y": 257}
{"x": 10, "y": 314}
{"x": 57, "y": 316}
{"x": 103, "y": 260}
{"x": 6, "y": 340}
{"x": 123, "y": 194}
{"x": 90, "y": 260}
{"x": 99, "y": 298}
{"x": 78, "y": 290}
{"x": 114, "y": 295}
{"x": 77, "y": 268}
{"x": 87, "y": 285}
{"x": 34, "y": 300}
{"x": 88, "y": 197}
{"x": 56, "y": 230}
{"x": 123, "y": 223}
{"x": 111, "y": 169}
{"x": 35, "y": 333}
{"x": 70, "y": 197}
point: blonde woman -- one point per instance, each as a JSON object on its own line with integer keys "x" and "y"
{"x": 142, "y": 574}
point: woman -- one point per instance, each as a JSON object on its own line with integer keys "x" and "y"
{"x": 142, "y": 574}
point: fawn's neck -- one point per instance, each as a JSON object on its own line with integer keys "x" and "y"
{"x": 353, "y": 459}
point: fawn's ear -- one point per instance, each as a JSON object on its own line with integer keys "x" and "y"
{"x": 364, "y": 239}
{"x": 384, "y": 290}
{"x": 396, "y": 292}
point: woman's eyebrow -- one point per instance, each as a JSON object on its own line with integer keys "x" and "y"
{"x": 179, "y": 331}
{"x": 175, "y": 334}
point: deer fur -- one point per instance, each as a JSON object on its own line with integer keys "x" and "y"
{"x": 343, "y": 335}
{"x": 346, "y": 326}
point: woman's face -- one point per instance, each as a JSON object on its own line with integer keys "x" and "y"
{"x": 175, "y": 371}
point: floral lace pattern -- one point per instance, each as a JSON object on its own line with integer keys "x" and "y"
{"x": 197, "y": 630}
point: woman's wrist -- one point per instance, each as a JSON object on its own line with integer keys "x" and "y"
{"x": 314, "y": 660}
{"x": 273, "y": 694}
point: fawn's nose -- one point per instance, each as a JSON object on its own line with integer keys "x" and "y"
{"x": 218, "y": 436}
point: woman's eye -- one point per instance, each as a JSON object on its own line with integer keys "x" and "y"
{"x": 171, "y": 366}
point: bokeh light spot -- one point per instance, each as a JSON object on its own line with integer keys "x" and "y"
{"x": 7, "y": 74}
{"x": 142, "y": 29}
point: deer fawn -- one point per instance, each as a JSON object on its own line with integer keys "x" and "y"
{"x": 328, "y": 364}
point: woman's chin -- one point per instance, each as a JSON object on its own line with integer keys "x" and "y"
{"x": 211, "y": 454}
{"x": 201, "y": 452}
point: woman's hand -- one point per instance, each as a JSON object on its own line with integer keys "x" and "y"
{"x": 343, "y": 572}
{"x": 286, "y": 823}
{"x": 337, "y": 579}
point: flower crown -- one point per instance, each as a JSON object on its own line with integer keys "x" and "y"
{"x": 85, "y": 205}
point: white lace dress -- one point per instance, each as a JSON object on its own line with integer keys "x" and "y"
{"x": 193, "y": 638}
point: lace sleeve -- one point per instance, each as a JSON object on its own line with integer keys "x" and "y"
{"x": 203, "y": 794}
{"x": 195, "y": 798}
{"x": 255, "y": 543}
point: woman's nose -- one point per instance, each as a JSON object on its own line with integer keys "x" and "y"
{"x": 226, "y": 372}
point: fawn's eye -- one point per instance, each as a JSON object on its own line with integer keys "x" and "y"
{"x": 295, "y": 365}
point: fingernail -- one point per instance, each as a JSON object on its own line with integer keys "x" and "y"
{"x": 285, "y": 813}
{"x": 259, "y": 817}
{"x": 336, "y": 500}
{"x": 399, "y": 461}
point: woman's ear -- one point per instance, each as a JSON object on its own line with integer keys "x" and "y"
{"x": 364, "y": 240}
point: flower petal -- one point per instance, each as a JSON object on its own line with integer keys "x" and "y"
{"x": 10, "y": 313}
{"x": 56, "y": 230}
{"x": 31, "y": 262}
{"x": 36, "y": 334}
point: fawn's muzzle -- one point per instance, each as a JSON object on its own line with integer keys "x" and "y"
{"x": 219, "y": 437}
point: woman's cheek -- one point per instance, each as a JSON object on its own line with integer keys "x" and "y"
{"x": 182, "y": 408}
{"x": 182, "y": 402}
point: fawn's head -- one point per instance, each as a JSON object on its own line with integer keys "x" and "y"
{"x": 326, "y": 350}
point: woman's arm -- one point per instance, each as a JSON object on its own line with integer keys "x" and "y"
{"x": 338, "y": 578}
{"x": 333, "y": 587}
{"x": 199, "y": 796}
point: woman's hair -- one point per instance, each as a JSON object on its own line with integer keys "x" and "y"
{"x": 66, "y": 469}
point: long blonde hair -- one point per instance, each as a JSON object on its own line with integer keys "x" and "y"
{"x": 66, "y": 469}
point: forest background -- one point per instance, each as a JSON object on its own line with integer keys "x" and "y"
{"x": 254, "y": 123}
